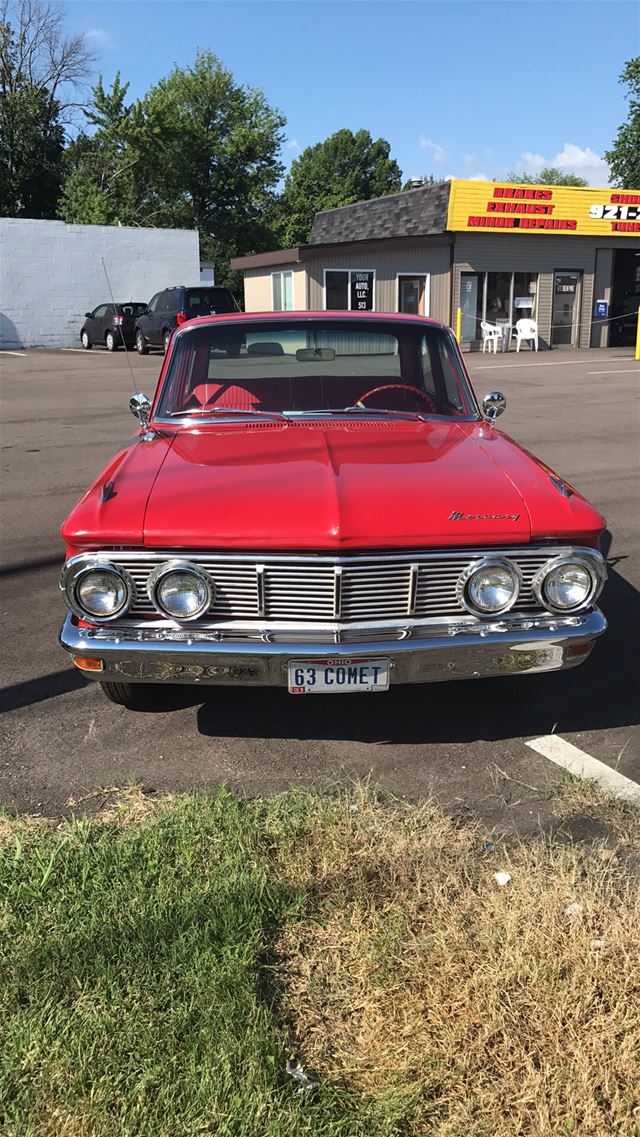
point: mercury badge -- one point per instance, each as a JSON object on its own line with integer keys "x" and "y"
{"x": 456, "y": 516}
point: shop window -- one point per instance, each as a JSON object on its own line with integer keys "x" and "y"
{"x": 471, "y": 303}
{"x": 525, "y": 296}
{"x": 496, "y": 296}
{"x": 349, "y": 290}
{"x": 282, "y": 290}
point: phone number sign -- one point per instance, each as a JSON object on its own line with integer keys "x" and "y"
{"x": 512, "y": 208}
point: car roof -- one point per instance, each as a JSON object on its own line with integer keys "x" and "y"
{"x": 379, "y": 317}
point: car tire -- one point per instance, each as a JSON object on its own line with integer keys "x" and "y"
{"x": 133, "y": 696}
{"x": 85, "y": 341}
{"x": 111, "y": 342}
{"x": 166, "y": 339}
{"x": 141, "y": 345}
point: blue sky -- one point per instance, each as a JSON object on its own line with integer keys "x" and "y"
{"x": 459, "y": 88}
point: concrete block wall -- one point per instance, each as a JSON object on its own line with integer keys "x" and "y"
{"x": 51, "y": 274}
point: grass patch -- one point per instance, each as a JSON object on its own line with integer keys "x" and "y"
{"x": 161, "y": 961}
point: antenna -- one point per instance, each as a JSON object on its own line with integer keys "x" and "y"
{"x": 135, "y": 388}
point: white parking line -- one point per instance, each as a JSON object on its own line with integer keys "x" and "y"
{"x": 20, "y": 354}
{"x": 82, "y": 349}
{"x": 623, "y": 371}
{"x": 556, "y": 363}
{"x": 582, "y": 765}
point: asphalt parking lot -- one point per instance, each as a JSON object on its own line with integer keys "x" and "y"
{"x": 64, "y": 413}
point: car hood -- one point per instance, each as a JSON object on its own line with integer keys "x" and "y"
{"x": 332, "y": 486}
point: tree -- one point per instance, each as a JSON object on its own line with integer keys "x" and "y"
{"x": 31, "y": 153}
{"x": 210, "y": 151}
{"x": 39, "y": 70}
{"x": 624, "y": 156}
{"x": 101, "y": 187}
{"x": 549, "y": 176}
{"x": 345, "y": 168}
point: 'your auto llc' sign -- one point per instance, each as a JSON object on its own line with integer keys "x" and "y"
{"x": 362, "y": 291}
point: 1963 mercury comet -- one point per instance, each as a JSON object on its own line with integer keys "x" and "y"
{"x": 315, "y": 500}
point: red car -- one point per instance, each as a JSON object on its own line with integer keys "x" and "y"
{"x": 316, "y": 501}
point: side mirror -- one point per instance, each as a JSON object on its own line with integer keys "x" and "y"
{"x": 493, "y": 405}
{"x": 140, "y": 407}
{"x": 88, "y": 315}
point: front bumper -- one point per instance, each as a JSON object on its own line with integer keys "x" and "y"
{"x": 425, "y": 653}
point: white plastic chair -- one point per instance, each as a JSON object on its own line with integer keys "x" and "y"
{"x": 525, "y": 330}
{"x": 491, "y": 333}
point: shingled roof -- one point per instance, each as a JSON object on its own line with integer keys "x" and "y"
{"x": 419, "y": 212}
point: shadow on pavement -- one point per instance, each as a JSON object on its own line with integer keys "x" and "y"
{"x": 601, "y": 693}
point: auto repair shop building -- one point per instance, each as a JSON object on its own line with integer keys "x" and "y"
{"x": 567, "y": 257}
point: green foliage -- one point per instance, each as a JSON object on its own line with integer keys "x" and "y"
{"x": 31, "y": 152}
{"x": 101, "y": 187}
{"x": 198, "y": 152}
{"x": 345, "y": 168}
{"x": 549, "y": 176}
{"x": 624, "y": 155}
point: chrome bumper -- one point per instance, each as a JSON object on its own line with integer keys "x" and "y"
{"x": 421, "y": 654}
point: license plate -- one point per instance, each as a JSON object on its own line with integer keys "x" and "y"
{"x": 337, "y": 677}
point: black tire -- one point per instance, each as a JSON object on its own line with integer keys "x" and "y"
{"x": 141, "y": 345}
{"x": 85, "y": 341}
{"x": 166, "y": 339}
{"x": 133, "y": 696}
{"x": 111, "y": 342}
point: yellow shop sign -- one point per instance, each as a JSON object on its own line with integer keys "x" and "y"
{"x": 512, "y": 208}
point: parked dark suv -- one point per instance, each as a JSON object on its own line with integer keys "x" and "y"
{"x": 111, "y": 325}
{"x": 167, "y": 310}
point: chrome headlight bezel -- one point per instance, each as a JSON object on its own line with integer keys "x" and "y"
{"x": 465, "y": 577}
{"x": 593, "y": 564}
{"x": 180, "y": 566}
{"x": 73, "y": 572}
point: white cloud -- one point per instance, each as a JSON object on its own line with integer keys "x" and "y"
{"x": 292, "y": 144}
{"x": 438, "y": 153}
{"x": 572, "y": 159}
{"x": 98, "y": 37}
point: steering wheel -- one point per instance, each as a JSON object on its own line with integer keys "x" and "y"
{"x": 397, "y": 387}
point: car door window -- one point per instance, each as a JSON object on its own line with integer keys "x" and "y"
{"x": 153, "y": 303}
{"x": 171, "y": 301}
{"x": 100, "y": 312}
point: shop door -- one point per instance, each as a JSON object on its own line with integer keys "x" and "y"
{"x": 411, "y": 290}
{"x": 566, "y": 308}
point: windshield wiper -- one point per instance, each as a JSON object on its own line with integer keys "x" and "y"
{"x": 413, "y": 416}
{"x": 279, "y": 416}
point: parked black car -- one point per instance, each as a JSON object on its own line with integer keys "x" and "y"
{"x": 167, "y": 310}
{"x": 111, "y": 325}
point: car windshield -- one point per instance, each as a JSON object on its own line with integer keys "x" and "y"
{"x": 206, "y": 301}
{"x": 315, "y": 366}
{"x": 132, "y": 308}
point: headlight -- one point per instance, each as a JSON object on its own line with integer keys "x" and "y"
{"x": 180, "y": 590}
{"x": 568, "y": 583}
{"x": 489, "y": 586}
{"x": 96, "y": 591}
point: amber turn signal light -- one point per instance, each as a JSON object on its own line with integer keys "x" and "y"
{"x": 87, "y": 664}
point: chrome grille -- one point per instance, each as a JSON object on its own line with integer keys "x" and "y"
{"x": 320, "y": 589}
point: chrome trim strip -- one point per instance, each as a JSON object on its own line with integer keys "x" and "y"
{"x": 337, "y": 592}
{"x": 262, "y": 605}
{"x": 413, "y": 588}
{"x": 356, "y": 557}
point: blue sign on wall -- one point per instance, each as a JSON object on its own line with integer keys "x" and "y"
{"x": 602, "y": 309}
